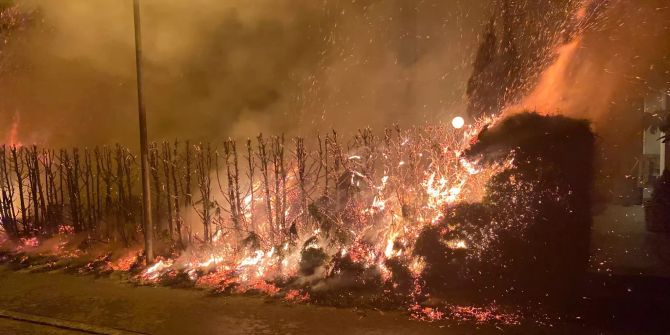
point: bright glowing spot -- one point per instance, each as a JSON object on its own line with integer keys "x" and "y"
{"x": 457, "y": 244}
{"x": 458, "y": 122}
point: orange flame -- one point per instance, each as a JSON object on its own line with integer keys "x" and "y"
{"x": 550, "y": 95}
{"x": 13, "y": 136}
{"x": 547, "y": 96}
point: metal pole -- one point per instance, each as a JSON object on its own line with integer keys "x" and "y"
{"x": 144, "y": 148}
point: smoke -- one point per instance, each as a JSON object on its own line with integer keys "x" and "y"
{"x": 622, "y": 55}
{"x": 585, "y": 59}
{"x": 603, "y": 75}
{"x": 215, "y": 69}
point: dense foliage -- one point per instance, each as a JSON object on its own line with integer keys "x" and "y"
{"x": 530, "y": 235}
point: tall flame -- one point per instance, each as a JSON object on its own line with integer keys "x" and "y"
{"x": 547, "y": 96}
{"x": 554, "y": 85}
{"x": 13, "y": 136}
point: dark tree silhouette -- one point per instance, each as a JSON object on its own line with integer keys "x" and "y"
{"x": 482, "y": 89}
{"x": 517, "y": 44}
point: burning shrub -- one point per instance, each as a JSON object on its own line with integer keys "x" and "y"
{"x": 176, "y": 279}
{"x": 530, "y": 234}
{"x": 540, "y": 207}
{"x": 350, "y": 274}
{"x": 443, "y": 264}
{"x": 252, "y": 242}
{"x": 345, "y": 266}
{"x": 401, "y": 277}
{"x": 311, "y": 257}
{"x": 657, "y": 209}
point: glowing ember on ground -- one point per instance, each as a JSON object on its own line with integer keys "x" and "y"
{"x": 124, "y": 263}
{"x": 296, "y": 296}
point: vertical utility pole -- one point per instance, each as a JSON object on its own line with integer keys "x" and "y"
{"x": 144, "y": 146}
{"x": 407, "y": 51}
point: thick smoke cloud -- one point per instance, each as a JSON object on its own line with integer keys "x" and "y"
{"x": 587, "y": 59}
{"x": 233, "y": 68}
{"x": 621, "y": 57}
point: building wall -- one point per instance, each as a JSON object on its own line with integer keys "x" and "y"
{"x": 655, "y": 156}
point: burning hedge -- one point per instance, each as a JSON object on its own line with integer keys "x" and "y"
{"x": 415, "y": 212}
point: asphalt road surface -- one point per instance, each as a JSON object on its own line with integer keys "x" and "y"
{"x": 60, "y": 303}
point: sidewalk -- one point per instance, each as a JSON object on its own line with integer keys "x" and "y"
{"x": 621, "y": 244}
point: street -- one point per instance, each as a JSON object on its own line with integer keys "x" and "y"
{"x": 66, "y": 304}
{"x": 159, "y": 310}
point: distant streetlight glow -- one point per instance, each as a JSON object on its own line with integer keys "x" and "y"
{"x": 458, "y": 122}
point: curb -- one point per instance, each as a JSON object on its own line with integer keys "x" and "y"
{"x": 64, "y": 324}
